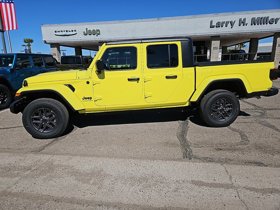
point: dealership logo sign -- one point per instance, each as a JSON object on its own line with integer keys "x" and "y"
{"x": 255, "y": 21}
{"x": 70, "y": 32}
{"x": 92, "y": 32}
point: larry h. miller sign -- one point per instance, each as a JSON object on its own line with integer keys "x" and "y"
{"x": 243, "y": 22}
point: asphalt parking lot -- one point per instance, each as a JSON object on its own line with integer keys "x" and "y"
{"x": 150, "y": 159}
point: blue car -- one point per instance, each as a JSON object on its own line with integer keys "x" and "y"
{"x": 15, "y": 67}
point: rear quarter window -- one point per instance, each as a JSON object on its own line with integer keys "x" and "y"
{"x": 71, "y": 60}
{"x": 49, "y": 61}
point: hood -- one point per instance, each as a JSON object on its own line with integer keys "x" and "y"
{"x": 53, "y": 77}
{"x": 5, "y": 69}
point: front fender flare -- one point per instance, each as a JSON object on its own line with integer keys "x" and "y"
{"x": 63, "y": 92}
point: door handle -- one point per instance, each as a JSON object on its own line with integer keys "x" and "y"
{"x": 171, "y": 77}
{"x": 147, "y": 79}
{"x": 95, "y": 83}
{"x": 133, "y": 79}
{"x": 148, "y": 95}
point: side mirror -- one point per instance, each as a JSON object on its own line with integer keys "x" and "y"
{"x": 100, "y": 66}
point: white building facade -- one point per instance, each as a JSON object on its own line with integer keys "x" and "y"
{"x": 211, "y": 32}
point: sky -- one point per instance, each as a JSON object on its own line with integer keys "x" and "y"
{"x": 31, "y": 14}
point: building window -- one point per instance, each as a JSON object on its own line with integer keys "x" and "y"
{"x": 120, "y": 58}
{"x": 162, "y": 56}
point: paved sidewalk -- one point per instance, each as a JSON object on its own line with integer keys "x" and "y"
{"x": 29, "y": 181}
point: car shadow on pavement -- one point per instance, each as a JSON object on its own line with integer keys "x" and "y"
{"x": 196, "y": 119}
{"x": 130, "y": 117}
{"x": 140, "y": 116}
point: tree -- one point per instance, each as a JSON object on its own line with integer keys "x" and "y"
{"x": 28, "y": 43}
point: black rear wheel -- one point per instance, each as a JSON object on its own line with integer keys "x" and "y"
{"x": 219, "y": 108}
{"x": 5, "y": 97}
{"x": 45, "y": 118}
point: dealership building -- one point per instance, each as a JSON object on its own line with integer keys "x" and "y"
{"x": 213, "y": 34}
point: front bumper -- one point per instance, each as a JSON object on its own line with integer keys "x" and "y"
{"x": 18, "y": 105}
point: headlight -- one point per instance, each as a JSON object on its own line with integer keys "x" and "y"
{"x": 25, "y": 83}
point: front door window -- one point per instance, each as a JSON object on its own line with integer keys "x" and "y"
{"x": 120, "y": 58}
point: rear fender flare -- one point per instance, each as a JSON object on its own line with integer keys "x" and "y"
{"x": 202, "y": 88}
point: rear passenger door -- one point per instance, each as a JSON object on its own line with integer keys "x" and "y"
{"x": 163, "y": 73}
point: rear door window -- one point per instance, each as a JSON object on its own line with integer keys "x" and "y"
{"x": 23, "y": 61}
{"x": 37, "y": 61}
{"x": 162, "y": 56}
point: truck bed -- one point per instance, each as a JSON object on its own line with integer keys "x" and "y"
{"x": 218, "y": 63}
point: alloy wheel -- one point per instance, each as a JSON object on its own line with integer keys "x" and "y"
{"x": 3, "y": 97}
{"x": 221, "y": 109}
{"x": 44, "y": 120}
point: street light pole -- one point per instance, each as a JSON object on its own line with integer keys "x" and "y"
{"x": 9, "y": 41}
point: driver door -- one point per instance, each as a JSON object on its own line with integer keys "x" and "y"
{"x": 23, "y": 69}
{"x": 120, "y": 85}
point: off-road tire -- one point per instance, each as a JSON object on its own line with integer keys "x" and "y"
{"x": 219, "y": 108}
{"x": 5, "y": 97}
{"x": 45, "y": 118}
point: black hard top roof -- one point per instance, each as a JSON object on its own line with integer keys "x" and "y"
{"x": 26, "y": 54}
{"x": 146, "y": 40}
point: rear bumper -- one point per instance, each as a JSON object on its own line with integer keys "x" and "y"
{"x": 271, "y": 92}
{"x": 274, "y": 74}
{"x": 18, "y": 105}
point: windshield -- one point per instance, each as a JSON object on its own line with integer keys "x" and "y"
{"x": 6, "y": 60}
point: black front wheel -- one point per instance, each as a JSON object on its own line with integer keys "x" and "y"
{"x": 5, "y": 97}
{"x": 45, "y": 118}
{"x": 219, "y": 108}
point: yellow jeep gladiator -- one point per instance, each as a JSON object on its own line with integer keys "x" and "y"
{"x": 137, "y": 75}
